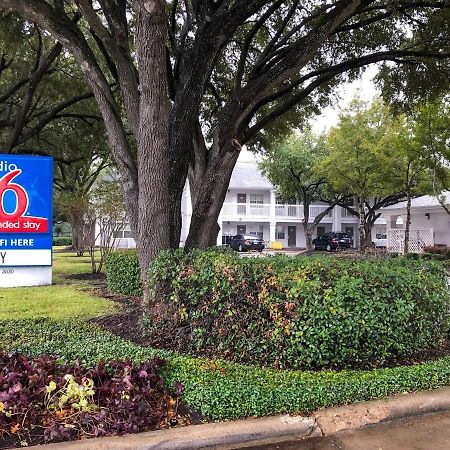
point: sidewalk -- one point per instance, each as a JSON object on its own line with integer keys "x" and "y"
{"x": 269, "y": 430}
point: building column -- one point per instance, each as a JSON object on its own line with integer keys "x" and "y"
{"x": 272, "y": 229}
{"x": 336, "y": 214}
{"x": 273, "y": 202}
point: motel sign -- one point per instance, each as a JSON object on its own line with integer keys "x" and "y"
{"x": 25, "y": 220}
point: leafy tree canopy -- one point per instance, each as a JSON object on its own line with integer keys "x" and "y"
{"x": 199, "y": 79}
{"x": 43, "y": 94}
{"x": 291, "y": 166}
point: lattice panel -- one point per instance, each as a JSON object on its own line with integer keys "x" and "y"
{"x": 418, "y": 239}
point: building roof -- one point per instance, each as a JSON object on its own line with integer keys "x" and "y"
{"x": 247, "y": 175}
{"x": 426, "y": 201}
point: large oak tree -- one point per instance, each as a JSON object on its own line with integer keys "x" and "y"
{"x": 42, "y": 92}
{"x": 200, "y": 78}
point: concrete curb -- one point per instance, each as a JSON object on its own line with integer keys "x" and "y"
{"x": 358, "y": 415}
{"x": 210, "y": 435}
{"x": 243, "y": 433}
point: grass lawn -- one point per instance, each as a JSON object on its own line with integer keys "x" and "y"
{"x": 68, "y": 263}
{"x": 59, "y": 301}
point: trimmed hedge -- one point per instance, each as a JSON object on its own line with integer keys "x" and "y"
{"x": 301, "y": 313}
{"x": 62, "y": 241}
{"x": 122, "y": 272}
{"x": 441, "y": 250}
{"x": 124, "y": 275}
{"x": 223, "y": 390}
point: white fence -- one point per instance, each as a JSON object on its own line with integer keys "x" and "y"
{"x": 418, "y": 239}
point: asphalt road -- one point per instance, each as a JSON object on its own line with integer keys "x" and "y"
{"x": 427, "y": 432}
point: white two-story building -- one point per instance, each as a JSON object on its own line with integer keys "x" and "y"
{"x": 252, "y": 207}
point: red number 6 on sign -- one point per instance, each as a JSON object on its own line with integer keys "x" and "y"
{"x": 22, "y": 197}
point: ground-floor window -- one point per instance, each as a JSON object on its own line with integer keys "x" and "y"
{"x": 280, "y": 232}
{"x": 125, "y": 233}
{"x": 380, "y": 233}
{"x": 256, "y": 230}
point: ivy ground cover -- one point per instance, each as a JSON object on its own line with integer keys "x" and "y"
{"x": 218, "y": 389}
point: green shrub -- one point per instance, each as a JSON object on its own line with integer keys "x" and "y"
{"x": 223, "y": 390}
{"x": 438, "y": 250}
{"x": 123, "y": 273}
{"x": 62, "y": 241}
{"x": 302, "y": 313}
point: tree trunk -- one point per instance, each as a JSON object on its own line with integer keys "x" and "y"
{"x": 368, "y": 239}
{"x": 361, "y": 226}
{"x": 77, "y": 227}
{"x": 210, "y": 195}
{"x": 408, "y": 221}
{"x": 368, "y": 225}
{"x": 306, "y": 226}
{"x": 180, "y": 148}
{"x": 308, "y": 238}
{"x": 153, "y": 138}
{"x": 77, "y": 213}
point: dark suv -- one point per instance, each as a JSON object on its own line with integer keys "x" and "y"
{"x": 244, "y": 242}
{"x": 332, "y": 241}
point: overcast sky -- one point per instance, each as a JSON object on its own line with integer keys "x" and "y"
{"x": 347, "y": 92}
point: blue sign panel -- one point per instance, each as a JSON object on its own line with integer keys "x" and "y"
{"x": 26, "y": 210}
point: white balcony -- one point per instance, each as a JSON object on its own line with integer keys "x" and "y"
{"x": 245, "y": 210}
{"x": 289, "y": 211}
{"x": 314, "y": 211}
{"x": 252, "y": 210}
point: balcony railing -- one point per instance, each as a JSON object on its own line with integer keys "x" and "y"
{"x": 246, "y": 210}
{"x": 289, "y": 211}
{"x": 263, "y": 210}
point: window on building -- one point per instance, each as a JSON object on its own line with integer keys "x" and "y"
{"x": 256, "y": 230}
{"x": 320, "y": 231}
{"x": 257, "y": 199}
{"x": 127, "y": 234}
{"x": 280, "y": 232}
{"x": 118, "y": 234}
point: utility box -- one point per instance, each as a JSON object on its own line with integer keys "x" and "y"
{"x": 277, "y": 245}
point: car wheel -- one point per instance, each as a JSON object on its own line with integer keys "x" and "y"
{"x": 240, "y": 248}
{"x": 328, "y": 248}
{"x": 260, "y": 250}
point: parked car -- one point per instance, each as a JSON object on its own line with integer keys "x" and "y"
{"x": 244, "y": 242}
{"x": 332, "y": 241}
{"x": 380, "y": 241}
